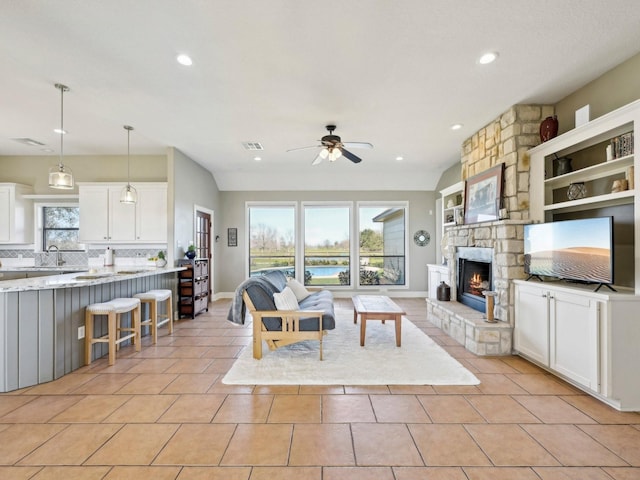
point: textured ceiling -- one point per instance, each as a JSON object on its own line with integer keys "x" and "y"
{"x": 397, "y": 74}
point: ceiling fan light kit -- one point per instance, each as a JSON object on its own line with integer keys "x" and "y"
{"x": 333, "y": 148}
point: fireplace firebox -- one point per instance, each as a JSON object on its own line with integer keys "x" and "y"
{"x": 474, "y": 277}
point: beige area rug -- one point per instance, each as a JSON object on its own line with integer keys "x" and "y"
{"x": 419, "y": 361}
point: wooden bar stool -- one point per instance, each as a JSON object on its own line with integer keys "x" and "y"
{"x": 156, "y": 320}
{"x": 114, "y": 310}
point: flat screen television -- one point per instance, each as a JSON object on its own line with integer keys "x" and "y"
{"x": 577, "y": 250}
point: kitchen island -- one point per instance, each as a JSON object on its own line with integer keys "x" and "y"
{"x": 42, "y": 318}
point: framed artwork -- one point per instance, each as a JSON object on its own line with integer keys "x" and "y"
{"x": 483, "y": 196}
{"x": 232, "y": 237}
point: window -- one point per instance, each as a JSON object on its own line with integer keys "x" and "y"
{"x": 272, "y": 239}
{"x": 60, "y": 227}
{"x": 338, "y": 249}
{"x": 382, "y": 242}
{"x": 326, "y": 245}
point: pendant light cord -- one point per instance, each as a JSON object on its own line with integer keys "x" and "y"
{"x": 63, "y": 88}
{"x": 128, "y": 128}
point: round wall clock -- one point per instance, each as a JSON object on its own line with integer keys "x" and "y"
{"x": 421, "y": 238}
{"x": 576, "y": 191}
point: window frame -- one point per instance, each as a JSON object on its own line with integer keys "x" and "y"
{"x": 354, "y": 240}
{"x": 247, "y": 240}
{"x": 39, "y": 229}
{"x": 301, "y": 259}
{"x": 404, "y": 204}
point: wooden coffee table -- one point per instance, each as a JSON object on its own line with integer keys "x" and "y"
{"x": 377, "y": 307}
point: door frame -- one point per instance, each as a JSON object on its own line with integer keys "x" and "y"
{"x": 212, "y": 236}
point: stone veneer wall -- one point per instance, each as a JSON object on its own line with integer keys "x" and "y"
{"x": 506, "y": 237}
{"x": 506, "y": 140}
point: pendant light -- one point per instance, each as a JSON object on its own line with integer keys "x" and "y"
{"x": 61, "y": 176}
{"x": 129, "y": 194}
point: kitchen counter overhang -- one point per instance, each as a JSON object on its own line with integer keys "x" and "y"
{"x": 41, "y": 319}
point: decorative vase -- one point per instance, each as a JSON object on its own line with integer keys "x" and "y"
{"x": 561, "y": 166}
{"x": 548, "y": 128}
{"x": 443, "y": 293}
{"x": 190, "y": 254}
{"x": 161, "y": 262}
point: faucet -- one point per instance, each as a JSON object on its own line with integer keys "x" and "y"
{"x": 59, "y": 261}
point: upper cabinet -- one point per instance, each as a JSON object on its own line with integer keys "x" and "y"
{"x": 589, "y": 167}
{"x": 16, "y": 214}
{"x": 104, "y": 219}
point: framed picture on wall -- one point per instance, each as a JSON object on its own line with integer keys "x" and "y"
{"x": 483, "y": 196}
{"x": 232, "y": 237}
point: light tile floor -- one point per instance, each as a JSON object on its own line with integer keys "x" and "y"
{"x": 163, "y": 413}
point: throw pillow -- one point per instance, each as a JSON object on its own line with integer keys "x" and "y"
{"x": 286, "y": 300}
{"x": 298, "y": 289}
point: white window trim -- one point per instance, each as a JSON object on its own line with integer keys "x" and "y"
{"x": 38, "y": 227}
{"x": 385, "y": 204}
{"x": 247, "y": 239}
{"x": 352, "y": 257}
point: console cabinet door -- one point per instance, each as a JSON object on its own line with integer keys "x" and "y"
{"x": 575, "y": 338}
{"x": 531, "y": 332}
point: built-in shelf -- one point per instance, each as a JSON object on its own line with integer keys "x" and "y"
{"x": 594, "y": 172}
{"x": 608, "y": 200}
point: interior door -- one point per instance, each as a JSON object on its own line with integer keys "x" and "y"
{"x": 203, "y": 240}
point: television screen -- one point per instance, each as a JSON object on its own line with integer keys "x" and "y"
{"x": 579, "y": 250}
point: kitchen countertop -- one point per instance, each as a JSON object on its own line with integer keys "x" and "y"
{"x": 85, "y": 277}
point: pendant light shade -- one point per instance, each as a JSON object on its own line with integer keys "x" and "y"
{"x": 61, "y": 176}
{"x": 129, "y": 194}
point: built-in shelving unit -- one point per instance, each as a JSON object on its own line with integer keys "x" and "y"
{"x": 451, "y": 204}
{"x": 592, "y": 168}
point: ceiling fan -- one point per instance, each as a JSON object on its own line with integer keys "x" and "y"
{"x": 333, "y": 148}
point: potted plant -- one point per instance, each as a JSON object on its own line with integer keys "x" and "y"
{"x": 191, "y": 251}
{"x": 161, "y": 260}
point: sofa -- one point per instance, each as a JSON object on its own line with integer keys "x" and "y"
{"x": 310, "y": 321}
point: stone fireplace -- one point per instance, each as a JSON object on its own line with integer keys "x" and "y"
{"x": 505, "y": 140}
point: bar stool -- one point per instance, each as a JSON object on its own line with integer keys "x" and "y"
{"x": 114, "y": 310}
{"x": 156, "y": 320}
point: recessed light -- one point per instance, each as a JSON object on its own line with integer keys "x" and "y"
{"x": 184, "y": 60}
{"x": 487, "y": 58}
{"x": 399, "y": 159}
{"x": 57, "y": 130}
{"x": 257, "y": 159}
{"x": 456, "y": 126}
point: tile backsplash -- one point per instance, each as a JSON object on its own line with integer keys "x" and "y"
{"x": 92, "y": 257}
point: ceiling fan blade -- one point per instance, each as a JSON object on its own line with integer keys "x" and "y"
{"x": 304, "y": 148}
{"x": 351, "y": 156}
{"x": 357, "y": 144}
{"x": 317, "y": 160}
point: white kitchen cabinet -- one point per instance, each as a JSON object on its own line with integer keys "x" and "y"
{"x": 436, "y": 274}
{"x": 151, "y": 213}
{"x": 16, "y": 214}
{"x": 104, "y": 219}
{"x": 589, "y": 338}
